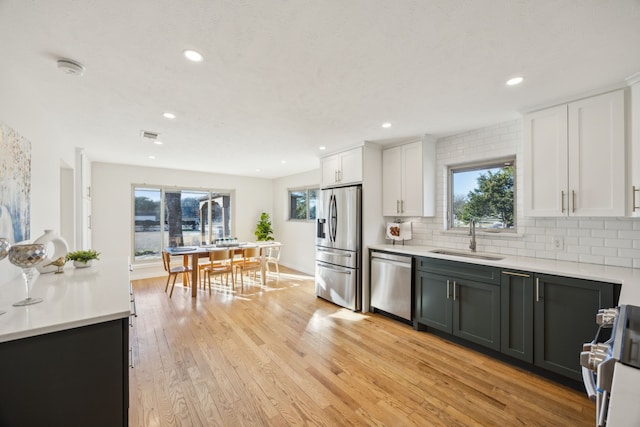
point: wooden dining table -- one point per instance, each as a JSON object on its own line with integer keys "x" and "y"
{"x": 196, "y": 252}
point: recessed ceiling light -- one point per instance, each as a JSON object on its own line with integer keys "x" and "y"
{"x": 386, "y": 125}
{"x": 322, "y": 148}
{"x": 192, "y": 55}
{"x": 515, "y": 81}
{"x": 152, "y": 157}
{"x": 283, "y": 162}
{"x": 157, "y": 142}
{"x": 169, "y": 115}
{"x": 257, "y": 170}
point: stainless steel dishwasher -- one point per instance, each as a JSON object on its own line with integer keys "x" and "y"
{"x": 391, "y": 284}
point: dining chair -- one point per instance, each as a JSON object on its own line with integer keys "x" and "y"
{"x": 173, "y": 271}
{"x": 203, "y": 263}
{"x": 251, "y": 261}
{"x": 273, "y": 257}
{"x": 221, "y": 262}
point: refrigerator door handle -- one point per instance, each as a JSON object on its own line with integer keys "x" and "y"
{"x": 333, "y": 218}
{"x": 329, "y": 217}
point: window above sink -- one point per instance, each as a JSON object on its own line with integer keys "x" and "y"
{"x": 484, "y": 192}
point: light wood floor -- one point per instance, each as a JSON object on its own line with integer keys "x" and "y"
{"x": 279, "y": 356}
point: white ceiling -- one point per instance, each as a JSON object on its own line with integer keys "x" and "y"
{"x": 282, "y": 77}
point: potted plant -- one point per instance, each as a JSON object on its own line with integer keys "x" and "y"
{"x": 263, "y": 228}
{"x": 83, "y": 259}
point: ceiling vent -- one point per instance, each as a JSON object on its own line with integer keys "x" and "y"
{"x": 70, "y": 67}
{"x": 149, "y": 135}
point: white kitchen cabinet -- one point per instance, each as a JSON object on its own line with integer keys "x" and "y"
{"x": 408, "y": 179}
{"x": 634, "y": 82}
{"x": 402, "y": 180}
{"x": 342, "y": 168}
{"x": 574, "y": 158}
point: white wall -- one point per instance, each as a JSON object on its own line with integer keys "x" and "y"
{"x": 112, "y": 200}
{"x": 608, "y": 241}
{"x": 22, "y": 111}
{"x": 298, "y": 237}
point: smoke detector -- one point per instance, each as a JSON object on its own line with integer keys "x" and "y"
{"x": 71, "y": 67}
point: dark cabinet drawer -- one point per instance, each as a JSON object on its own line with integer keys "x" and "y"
{"x": 462, "y": 270}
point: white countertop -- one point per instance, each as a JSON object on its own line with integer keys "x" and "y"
{"x": 629, "y": 278}
{"x": 75, "y": 298}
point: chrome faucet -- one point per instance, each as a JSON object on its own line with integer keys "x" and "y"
{"x": 472, "y": 233}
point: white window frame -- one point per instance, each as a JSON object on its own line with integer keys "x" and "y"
{"x": 307, "y": 210}
{"x": 165, "y": 188}
{"x": 471, "y": 166}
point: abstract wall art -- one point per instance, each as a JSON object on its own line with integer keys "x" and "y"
{"x": 15, "y": 185}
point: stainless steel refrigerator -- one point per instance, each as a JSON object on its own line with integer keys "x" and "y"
{"x": 339, "y": 245}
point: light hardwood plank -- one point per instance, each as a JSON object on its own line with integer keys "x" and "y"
{"x": 276, "y": 355}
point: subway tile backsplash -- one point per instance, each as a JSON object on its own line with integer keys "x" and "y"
{"x": 607, "y": 241}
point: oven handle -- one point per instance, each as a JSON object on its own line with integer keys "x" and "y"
{"x": 589, "y": 380}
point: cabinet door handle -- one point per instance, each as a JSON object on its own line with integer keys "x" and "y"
{"x": 573, "y": 201}
{"x": 401, "y": 206}
{"x": 454, "y": 290}
{"x": 634, "y": 188}
{"x": 562, "y": 201}
{"x": 511, "y": 273}
{"x": 447, "y": 289}
{"x": 397, "y": 206}
{"x": 537, "y": 289}
{"x": 339, "y": 175}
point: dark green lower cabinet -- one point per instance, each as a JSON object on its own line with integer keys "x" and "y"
{"x": 537, "y": 318}
{"x": 464, "y": 308}
{"x": 74, "y": 377}
{"x": 433, "y": 304}
{"x": 476, "y": 312}
{"x": 564, "y": 315}
{"x": 516, "y": 314}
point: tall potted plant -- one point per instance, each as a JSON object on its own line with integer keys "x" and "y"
{"x": 263, "y": 228}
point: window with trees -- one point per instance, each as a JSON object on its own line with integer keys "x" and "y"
{"x": 484, "y": 193}
{"x": 177, "y": 217}
{"x": 302, "y": 204}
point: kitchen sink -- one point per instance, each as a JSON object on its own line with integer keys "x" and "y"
{"x": 466, "y": 254}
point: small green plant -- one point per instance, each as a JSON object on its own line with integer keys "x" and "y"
{"x": 263, "y": 228}
{"x": 83, "y": 256}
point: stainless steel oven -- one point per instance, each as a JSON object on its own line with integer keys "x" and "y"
{"x": 616, "y": 342}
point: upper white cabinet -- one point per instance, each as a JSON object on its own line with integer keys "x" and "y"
{"x": 342, "y": 168}
{"x": 574, "y": 158}
{"x": 635, "y": 146}
{"x": 408, "y": 179}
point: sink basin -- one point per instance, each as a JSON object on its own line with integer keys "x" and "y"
{"x": 466, "y": 254}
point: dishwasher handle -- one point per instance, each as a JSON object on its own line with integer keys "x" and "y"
{"x": 384, "y": 257}
{"x": 389, "y": 262}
